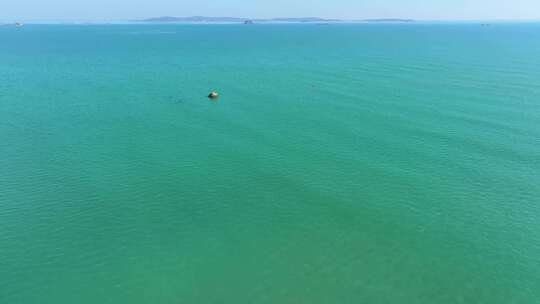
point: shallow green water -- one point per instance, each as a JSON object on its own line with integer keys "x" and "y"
{"x": 342, "y": 164}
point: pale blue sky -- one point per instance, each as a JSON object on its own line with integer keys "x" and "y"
{"x": 346, "y": 9}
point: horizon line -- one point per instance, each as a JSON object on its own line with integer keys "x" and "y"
{"x": 323, "y": 19}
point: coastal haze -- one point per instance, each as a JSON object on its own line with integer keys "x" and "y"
{"x": 122, "y": 10}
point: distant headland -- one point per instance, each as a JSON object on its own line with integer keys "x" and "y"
{"x": 202, "y": 19}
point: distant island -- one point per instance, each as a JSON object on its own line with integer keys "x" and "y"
{"x": 202, "y": 19}
{"x": 17, "y": 24}
{"x": 389, "y": 20}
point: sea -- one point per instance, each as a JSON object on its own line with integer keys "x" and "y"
{"x": 342, "y": 163}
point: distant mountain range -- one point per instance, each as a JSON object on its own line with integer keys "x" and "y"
{"x": 202, "y": 19}
{"x": 389, "y": 20}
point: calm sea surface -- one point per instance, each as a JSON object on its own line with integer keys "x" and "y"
{"x": 341, "y": 164}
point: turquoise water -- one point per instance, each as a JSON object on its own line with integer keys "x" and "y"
{"x": 341, "y": 164}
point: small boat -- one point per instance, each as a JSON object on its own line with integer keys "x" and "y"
{"x": 248, "y": 22}
{"x": 18, "y": 24}
{"x": 213, "y": 95}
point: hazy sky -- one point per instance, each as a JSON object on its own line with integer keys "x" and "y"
{"x": 346, "y": 9}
